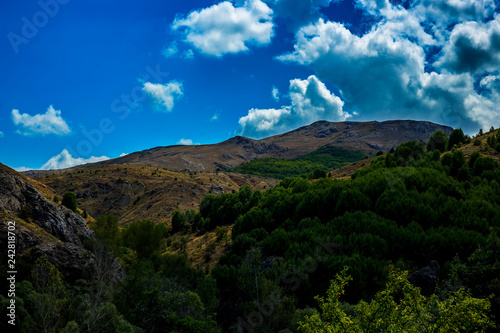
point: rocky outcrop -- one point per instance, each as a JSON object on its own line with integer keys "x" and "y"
{"x": 216, "y": 189}
{"x": 325, "y": 129}
{"x": 426, "y": 278}
{"x": 41, "y": 227}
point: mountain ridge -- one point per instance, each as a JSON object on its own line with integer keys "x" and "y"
{"x": 369, "y": 137}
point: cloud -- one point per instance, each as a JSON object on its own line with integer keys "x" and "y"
{"x": 276, "y": 94}
{"x": 472, "y": 47}
{"x": 171, "y": 50}
{"x": 123, "y": 154}
{"x": 164, "y": 94}
{"x": 298, "y": 12}
{"x": 23, "y": 169}
{"x": 224, "y": 28}
{"x": 50, "y": 122}
{"x": 187, "y": 142}
{"x": 310, "y": 101}
{"x": 65, "y": 160}
{"x": 1, "y": 134}
{"x": 188, "y": 54}
{"x": 391, "y": 72}
{"x": 214, "y": 117}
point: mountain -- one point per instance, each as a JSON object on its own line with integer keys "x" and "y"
{"x": 369, "y": 137}
{"x": 41, "y": 227}
{"x": 151, "y": 184}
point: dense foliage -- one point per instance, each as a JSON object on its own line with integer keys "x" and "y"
{"x": 399, "y": 308}
{"x": 409, "y": 207}
{"x": 323, "y": 159}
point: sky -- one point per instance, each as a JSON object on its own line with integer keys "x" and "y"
{"x": 84, "y": 81}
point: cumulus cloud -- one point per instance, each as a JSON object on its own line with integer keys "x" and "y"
{"x": 276, "y": 94}
{"x": 50, "y": 122}
{"x": 65, "y": 160}
{"x": 391, "y": 71}
{"x": 298, "y": 12}
{"x": 472, "y": 47}
{"x": 164, "y": 95}
{"x": 310, "y": 101}
{"x": 186, "y": 142}
{"x": 171, "y": 50}
{"x": 23, "y": 169}
{"x": 224, "y": 28}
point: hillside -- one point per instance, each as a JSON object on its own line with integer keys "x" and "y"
{"x": 368, "y": 137}
{"x": 41, "y": 227}
{"x": 223, "y": 260}
{"x": 138, "y": 192}
{"x": 152, "y": 184}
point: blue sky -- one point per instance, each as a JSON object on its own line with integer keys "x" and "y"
{"x": 82, "y": 81}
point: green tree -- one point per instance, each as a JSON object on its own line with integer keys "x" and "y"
{"x": 69, "y": 200}
{"x": 399, "y": 308}
{"x": 144, "y": 238}
{"x": 457, "y": 136}
{"x": 178, "y": 221}
{"x": 106, "y": 229}
{"x": 437, "y": 141}
{"x": 49, "y": 297}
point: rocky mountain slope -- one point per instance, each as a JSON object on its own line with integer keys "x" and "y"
{"x": 369, "y": 137}
{"x": 151, "y": 184}
{"x": 41, "y": 227}
{"x": 138, "y": 192}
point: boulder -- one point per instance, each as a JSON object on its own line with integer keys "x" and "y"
{"x": 426, "y": 278}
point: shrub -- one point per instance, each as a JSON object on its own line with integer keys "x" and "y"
{"x": 69, "y": 200}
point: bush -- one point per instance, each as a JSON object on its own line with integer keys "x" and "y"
{"x": 69, "y": 200}
{"x": 437, "y": 141}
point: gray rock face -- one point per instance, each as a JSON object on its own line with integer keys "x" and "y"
{"x": 42, "y": 227}
{"x": 216, "y": 189}
{"x": 325, "y": 129}
{"x": 426, "y": 278}
{"x": 19, "y": 196}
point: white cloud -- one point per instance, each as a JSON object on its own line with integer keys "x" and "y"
{"x": 484, "y": 107}
{"x": 188, "y": 54}
{"x": 276, "y": 94}
{"x": 65, "y": 160}
{"x": 1, "y": 134}
{"x": 187, "y": 142}
{"x": 215, "y": 117}
{"x": 376, "y": 72}
{"x": 297, "y": 13}
{"x": 171, "y": 50}
{"x": 472, "y": 47}
{"x": 164, "y": 94}
{"x": 50, "y": 122}
{"x": 123, "y": 154}
{"x": 391, "y": 72}
{"x": 23, "y": 169}
{"x": 224, "y": 28}
{"x": 310, "y": 101}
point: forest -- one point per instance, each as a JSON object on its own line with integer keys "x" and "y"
{"x": 309, "y": 255}
{"x": 320, "y": 161}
